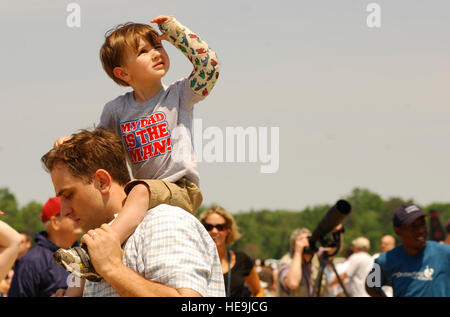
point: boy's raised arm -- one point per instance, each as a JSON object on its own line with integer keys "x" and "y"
{"x": 206, "y": 65}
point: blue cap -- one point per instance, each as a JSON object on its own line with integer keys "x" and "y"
{"x": 405, "y": 214}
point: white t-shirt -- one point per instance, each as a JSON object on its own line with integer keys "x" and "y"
{"x": 340, "y": 268}
{"x": 359, "y": 265}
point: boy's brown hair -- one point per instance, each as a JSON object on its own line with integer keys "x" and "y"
{"x": 87, "y": 151}
{"x": 118, "y": 39}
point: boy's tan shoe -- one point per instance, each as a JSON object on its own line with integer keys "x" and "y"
{"x": 76, "y": 261}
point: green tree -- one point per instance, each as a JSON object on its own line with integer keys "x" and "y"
{"x": 26, "y": 219}
{"x": 31, "y": 219}
{"x": 8, "y": 204}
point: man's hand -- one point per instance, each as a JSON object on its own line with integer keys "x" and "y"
{"x": 61, "y": 140}
{"x": 104, "y": 249}
{"x": 337, "y": 228}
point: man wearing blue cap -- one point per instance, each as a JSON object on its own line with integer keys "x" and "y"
{"x": 417, "y": 268}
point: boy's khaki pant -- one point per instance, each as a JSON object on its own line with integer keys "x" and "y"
{"x": 183, "y": 193}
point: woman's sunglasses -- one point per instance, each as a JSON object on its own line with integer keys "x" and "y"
{"x": 219, "y": 227}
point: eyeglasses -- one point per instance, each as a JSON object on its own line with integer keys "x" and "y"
{"x": 219, "y": 227}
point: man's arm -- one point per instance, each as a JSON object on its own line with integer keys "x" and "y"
{"x": 342, "y": 276}
{"x": 374, "y": 291}
{"x": 128, "y": 283}
{"x": 9, "y": 247}
{"x": 26, "y": 279}
{"x": 294, "y": 275}
{"x": 106, "y": 256}
{"x": 203, "y": 58}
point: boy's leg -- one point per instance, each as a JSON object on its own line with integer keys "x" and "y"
{"x": 183, "y": 193}
{"x": 193, "y": 192}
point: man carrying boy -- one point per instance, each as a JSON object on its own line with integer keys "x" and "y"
{"x": 154, "y": 121}
{"x": 169, "y": 254}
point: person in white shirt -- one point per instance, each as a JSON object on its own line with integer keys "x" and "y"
{"x": 359, "y": 265}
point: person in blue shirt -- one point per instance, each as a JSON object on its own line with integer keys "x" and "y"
{"x": 36, "y": 274}
{"x": 417, "y": 268}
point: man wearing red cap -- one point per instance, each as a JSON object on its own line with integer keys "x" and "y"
{"x": 36, "y": 273}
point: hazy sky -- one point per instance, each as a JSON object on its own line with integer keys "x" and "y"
{"x": 355, "y": 106}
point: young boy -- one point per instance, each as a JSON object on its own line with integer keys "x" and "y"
{"x": 153, "y": 121}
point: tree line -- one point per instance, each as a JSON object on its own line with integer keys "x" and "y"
{"x": 265, "y": 233}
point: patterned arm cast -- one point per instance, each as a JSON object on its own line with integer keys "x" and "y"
{"x": 206, "y": 66}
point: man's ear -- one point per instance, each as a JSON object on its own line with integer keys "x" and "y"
{"x": 397, "y": 231}
{"x": 102, "y": 180}
{"x": 121, "y": 73}
{"x": 55, "y": 222}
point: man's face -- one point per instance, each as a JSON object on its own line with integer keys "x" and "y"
{"x": 80, "y": 201}
{"x": 24, "y": 246}
{"x": 302, "y": 242}
{"x": 70, "y": 227}
{"x": 414, "y": 235}
{"x": 387, "y": 243}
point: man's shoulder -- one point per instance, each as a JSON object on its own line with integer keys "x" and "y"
{"x": 438, "y": 248}
{"x": 168, "y": 211}
{"x": 167, "y": 224}
{"x": 168, "y": 216}
{"x": 360, "y": 258}
{"x": 391, "y": 257}
{"x": 286, "y": 259}
{"x": 35, "y": 257}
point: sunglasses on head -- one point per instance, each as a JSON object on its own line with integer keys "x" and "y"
{"x": 219, "y": 227}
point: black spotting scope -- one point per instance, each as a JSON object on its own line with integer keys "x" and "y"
{"x": 333, "y": 217}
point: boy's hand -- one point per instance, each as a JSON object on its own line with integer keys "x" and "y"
{"x": 160, "y": 19}
{"x": 61, "y": 140}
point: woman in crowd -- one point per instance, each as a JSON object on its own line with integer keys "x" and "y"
{"x": 238, "y": 269}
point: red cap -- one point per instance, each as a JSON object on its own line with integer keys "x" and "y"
{"x": 51, "y": 208}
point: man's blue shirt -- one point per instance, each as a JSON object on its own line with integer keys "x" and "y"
{"x": 426, "y": 274}
{"x": 36, "y": 274}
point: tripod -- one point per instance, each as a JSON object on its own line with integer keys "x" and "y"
{"x": 323, "y": 263}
